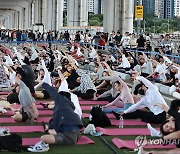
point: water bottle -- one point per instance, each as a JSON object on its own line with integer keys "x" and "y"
{"x": 121, "y": 122}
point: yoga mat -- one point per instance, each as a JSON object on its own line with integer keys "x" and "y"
{"x": 81, "y": 102}
{"x": 94, "y": 102}
{"x": 86, "y": 115}
{"x": 43, "y": 101}
{"x": 131, "y": 144}
{"x": 41, "y": 112}
{"x": 11, "y": 120}
{"x": 4, "y": 92}
{"x": 24, "y": 129}
{"x": 32, "y": 141}
{"x": 37, "y": 105}
{"x": 89, "y": 107}
{"x": 133, "y": 122}
{"x": 123, "y": 131}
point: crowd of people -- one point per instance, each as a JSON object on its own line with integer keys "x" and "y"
{"x": 63, "y": 79}
{"x": 100, "y": 38}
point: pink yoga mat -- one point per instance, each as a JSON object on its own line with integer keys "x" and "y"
{"x": 94, "y": 102}
{"x": 25, "y": 129}
{"x": 131, "y": 144}
{"x": 10, "y": 120}
{"x": 133, "y": 122}
{"x": 41, "y": 112}
{"x": 41, "y": 107}
{"x": 81, "y": 102}
{"x": 86, "y": 107}
{"x": 32, "y": 141}
{"x": 123, "y": 131}
{"x": 86, "y": 115}
{"x": 89, "y": 107}
{"x": 4, "y": 92}
{"x": 37, "y": 105}
{"x": 43, "y": 101}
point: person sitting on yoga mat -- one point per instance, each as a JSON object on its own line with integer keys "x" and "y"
{"x": 28, "y": 111}
{"x": 124, "y": 99}
{"x": 170, "y": 129}
{"x": 64, "y": 87}
{"x": 65, "y": 125}
{"x": 86, "y": 89}
{"x": 43, "y": 74}
{"x": 150, "y": 96}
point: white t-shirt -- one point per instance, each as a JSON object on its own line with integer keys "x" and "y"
{"x": 125, "y": 41}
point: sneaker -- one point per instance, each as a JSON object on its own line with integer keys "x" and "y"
{"x": 44, "y": 105}
{"x": 4, "y": 131}
{"x": 140, "y": 150}
{"x": 39, "y": 147}
{"x": 2, "y": 110}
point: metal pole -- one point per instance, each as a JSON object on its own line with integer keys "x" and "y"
{"x": 138, "y": 20}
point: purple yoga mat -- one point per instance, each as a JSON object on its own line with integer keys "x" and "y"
{"x": 133, "y": 122}
{"x": 32, "y": 141}
{"x": 123, "y": 131}
{"x": 10, "y": 120}
{"x": 24, "y": 129}
{"x": 131, "y": 144}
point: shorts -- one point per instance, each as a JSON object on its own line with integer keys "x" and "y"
{"x": 46, "y": 94}
{"x": 67, "y": 137}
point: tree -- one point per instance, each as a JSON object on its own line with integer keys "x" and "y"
{"x": 94, "y": 23}
{"x": 95, "y": 19}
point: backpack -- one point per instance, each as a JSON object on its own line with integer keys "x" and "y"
{"x": 11, "y": 142}
{"x": 99, "y": 117}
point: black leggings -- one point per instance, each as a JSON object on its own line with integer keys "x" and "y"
{"x": 145, "y": 116}
{"x": 88, "y": 95}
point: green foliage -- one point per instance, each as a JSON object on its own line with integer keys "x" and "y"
{"x": 153, "y": 24}
{"x": 95, "y": 19}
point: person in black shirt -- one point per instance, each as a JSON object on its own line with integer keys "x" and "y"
{"x": 141, "y": 43}
{"x": 65, "y": 125}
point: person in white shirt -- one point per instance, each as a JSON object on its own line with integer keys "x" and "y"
{"x": 125, "y": 41}
{"x": 150, "y": 97}
{"x": 133, "y": 41}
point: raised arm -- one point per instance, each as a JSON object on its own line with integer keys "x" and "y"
{"x": 115, "y": 75}
{"x": 71, "y": 60}
{"x": 146, "y": 82}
